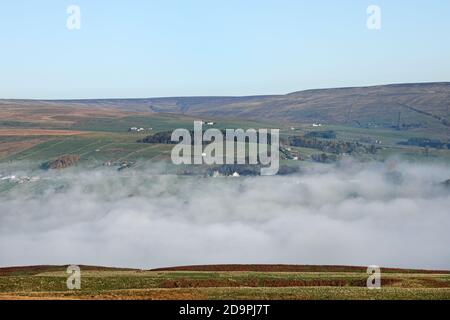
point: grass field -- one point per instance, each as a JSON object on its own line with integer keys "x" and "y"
{"x": 44, "y": 131}
{"x": 312, "y": 282}
{"x": 120, "y": 145}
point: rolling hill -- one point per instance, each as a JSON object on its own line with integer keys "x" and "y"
{"x": 262, "y": 282}
{"x": 410, "y": 105}
{"x": 389, "y": 114}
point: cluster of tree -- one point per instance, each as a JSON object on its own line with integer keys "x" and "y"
{"x": 160, "y": 137}
{"x": 426, "y": 143}
{"x": 247, "y": 170}
{"x": 62, "y": 162}
{"x": 165, "y": 137}
{"x": 324, "y": 158}
{"x": 241, "y": 169}
{"x": 407, "y": 126}
{"x": 330, "y": 134}
{"x": 335, "y": 147}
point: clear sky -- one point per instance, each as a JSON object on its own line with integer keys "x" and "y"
{"x": 217, "y": 47}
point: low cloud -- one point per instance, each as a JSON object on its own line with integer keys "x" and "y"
{"x": 349, "y": 214}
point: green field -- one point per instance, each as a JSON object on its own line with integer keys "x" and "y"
{"x": 116, "y": 144}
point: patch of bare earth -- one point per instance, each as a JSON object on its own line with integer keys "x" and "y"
{"x": 53, "y": 113}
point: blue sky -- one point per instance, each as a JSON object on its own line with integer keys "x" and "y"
{"x": 207, "y": 47}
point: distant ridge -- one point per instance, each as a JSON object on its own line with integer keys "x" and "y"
{"x": 289, "y": 268}
{"x": 417, "y": 104}
{"x": 34, "y": 270}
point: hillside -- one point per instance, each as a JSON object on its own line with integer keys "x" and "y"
{"x": 400, "y": 119}
{"x": 419, "y": 106}
{"x": 218, "y": 282}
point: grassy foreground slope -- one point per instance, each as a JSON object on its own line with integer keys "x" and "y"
{"x": 230, "y": 282}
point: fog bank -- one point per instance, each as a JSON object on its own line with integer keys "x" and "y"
{"x": 350, "y": 214}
